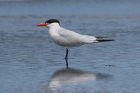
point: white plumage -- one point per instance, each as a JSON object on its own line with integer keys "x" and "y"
{"x": 68, "y": 38}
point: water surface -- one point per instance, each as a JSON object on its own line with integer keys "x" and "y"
{"x": 31, "y": 63}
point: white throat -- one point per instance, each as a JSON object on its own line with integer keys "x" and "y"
{"x": 53, "y": 26}
{"x": 53, "y": 29}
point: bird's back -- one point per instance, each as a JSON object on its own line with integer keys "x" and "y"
{"x": 67, "y": 38}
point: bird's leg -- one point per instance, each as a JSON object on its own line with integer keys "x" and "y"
{"x": 66, "y": 57}
{"x": 67, "y": 63}
{"x": 67, "y": 51}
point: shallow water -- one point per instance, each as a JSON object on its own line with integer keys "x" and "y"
{"x": 31, "y": 63}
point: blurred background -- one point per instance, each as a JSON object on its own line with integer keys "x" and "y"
{"x": 31, "y": 63}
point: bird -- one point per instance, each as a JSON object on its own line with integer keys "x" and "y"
{"x": 67, "y": 38}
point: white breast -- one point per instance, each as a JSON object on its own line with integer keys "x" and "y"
{"x": 67, "y": 38}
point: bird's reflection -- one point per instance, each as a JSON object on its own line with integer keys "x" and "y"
{"x": 71, "y": 76}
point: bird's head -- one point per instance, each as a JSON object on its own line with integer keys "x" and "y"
{"x": 49, "y": 23}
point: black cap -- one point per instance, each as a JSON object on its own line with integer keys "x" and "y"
{"x": 52, "y": 21}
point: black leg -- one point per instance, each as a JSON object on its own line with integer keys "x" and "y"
{"x": 66, "y": 57}
{"x": 67, "y": 63}
{"x": 67, "y": 51}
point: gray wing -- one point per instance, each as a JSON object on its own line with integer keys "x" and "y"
{"x": 70, "y": 38}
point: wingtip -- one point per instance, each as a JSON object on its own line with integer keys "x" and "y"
{"x": 105, "y": 40}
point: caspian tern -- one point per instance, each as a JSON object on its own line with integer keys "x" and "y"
{"x": 68, "y": 38}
